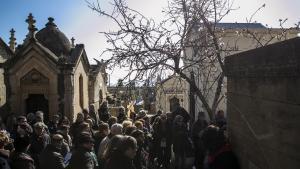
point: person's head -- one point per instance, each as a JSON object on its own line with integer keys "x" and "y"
{"x": 64, "y": 129}
{"x": 86, "y": 113}
{"x": 139, "y": 136}
{"x": 4, "y": 138}
{"x": 57, "y": 140}
{"x": 103, "y": 129}
{"x": 21, "y": 120}
{"x": 163, "y": 118}
{"x": 22, "y": 144}
{"x": 84, "y": 127}
{"x": 113, "y": 145}
{"x": 65, "y": 121}
{"x": 139, "y": 125}
{"x": 112, "y": 120}
{"x": 220, "y": 113}
{"x": 39, "y": 116}
{"x": 38, "y": 128}
{"x": 129, "y": 129}
{"x": 128, "y": 146}
{"x": 126, "y": 123}
{"x": 30, "y": 117}
{"x": 92, "y": 108}
{"x": 89, "y": 121}
{"x": 55, "y": 118}
{"x": 85, "y": 140}
{"x": 116, "y": 129}
{"x": 159, "y": 112}
{"x": 80, "y": 117}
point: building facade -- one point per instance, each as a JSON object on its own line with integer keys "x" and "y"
{"x": 233, "y": 38}
{"x": 49, "y": 73}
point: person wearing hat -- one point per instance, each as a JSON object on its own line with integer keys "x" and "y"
{"x": 82, "y": 157}
{"x": 51, "y": 157}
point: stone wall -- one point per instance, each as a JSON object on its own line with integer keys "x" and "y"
{"x": 263, "y": 105}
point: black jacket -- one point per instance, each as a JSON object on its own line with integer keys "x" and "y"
{"x": 51, "y": 158}
{"x": 81, "y": 159}
{"x": 20, "y": 160}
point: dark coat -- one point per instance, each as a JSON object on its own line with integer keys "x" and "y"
{"x": 51, "y": 158}
{"x": 223, "y": 158}
{"x": 119, "y": 161}
{"x": 81, "y": 159}
{"x": 20, "y": 160}
{"x": 4, "y": 159}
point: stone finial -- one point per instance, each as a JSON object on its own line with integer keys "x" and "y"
{"x": 12, "y": 40}
{"x": 73, "y": 42}
{"x": 31, "y": 26}
{"x": 51, "y": 22}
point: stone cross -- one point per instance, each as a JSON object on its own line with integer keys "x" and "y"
{"x": 31, "y": 27}
{"x": 73, "y": 41}
{"x": 12, "y": 40}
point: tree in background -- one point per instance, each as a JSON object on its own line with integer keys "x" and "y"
{"x": 188, "y": 40}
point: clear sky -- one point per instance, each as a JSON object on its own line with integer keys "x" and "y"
{"x": 75, "y": 19}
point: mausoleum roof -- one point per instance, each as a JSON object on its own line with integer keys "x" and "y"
{"x": 53, "y": 39}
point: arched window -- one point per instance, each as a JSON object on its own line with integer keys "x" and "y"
{"x": 81, "y": 91}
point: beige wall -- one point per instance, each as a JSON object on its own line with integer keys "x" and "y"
{"x": 80, "y": 70}
{"x": 95, "y": 87}
{"x": 19, "y": 92}
{"x": 173, "y": 87}
{"x": 236, "y": 41}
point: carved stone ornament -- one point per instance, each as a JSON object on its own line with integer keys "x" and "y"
{"x": 34, "y": 77}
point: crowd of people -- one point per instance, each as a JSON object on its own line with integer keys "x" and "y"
{"x": 97, "y": 140}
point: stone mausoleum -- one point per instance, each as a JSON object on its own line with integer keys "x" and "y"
{"x": 49, "y": 73}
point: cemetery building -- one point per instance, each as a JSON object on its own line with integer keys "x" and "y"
{"x": 47, "y": 72}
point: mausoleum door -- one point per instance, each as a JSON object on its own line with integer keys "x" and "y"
{"x": 173, "y": 103}
{"x": 36, "y": 102}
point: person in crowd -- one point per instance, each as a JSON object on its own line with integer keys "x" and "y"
{"x": 20, "y": 159}
{"x": 121, "y": 115}
{"x": 103, "y": 112}
{"x": 128, "y": 130}
{"x": 75, "y": 126}
{"x": 39, "y": 117}
{"x": 182, "y": 112}
{"x": 123, "y": 155}
{"x": 53, "y": 124}
{"x": 39, "y": 140}
{"x": 64, "y": 131}
{"x": 220, "y": 154}
{"x": 64, "y": 121}
{"x": 94, "y": 116}
{"x": 21, "y": 128}
{"x": 51, "y": 158}
{"x": 182, "y": 145}
{"x": 31, "y": 118}
{"x": 140, "y": 160}
{"x": 126, "y": 123}
{"x": 82, "y": 157}
{"x": 139, "y": 125}
{"x": 115, "y": 130}
{"x": 4, "y": 154}
{"x": 197, "y": 131}
{"x": 220, "y": 119}
{"x": 114, "y": 142}
{"x": 162, "y": 141}
{"x": 112, "y": 120}
{"x": 103, "y": 131}
{"x": 158, "y": 113}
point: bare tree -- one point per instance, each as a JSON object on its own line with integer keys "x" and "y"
{"x": 187, "y": 40}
